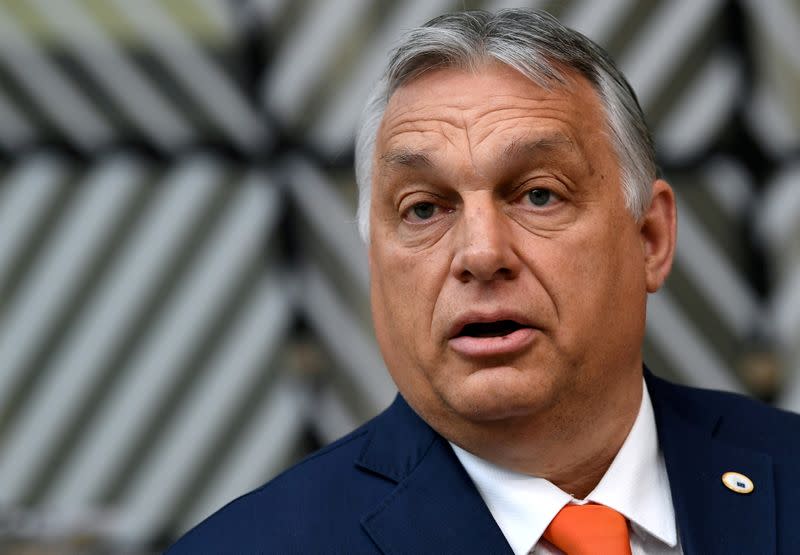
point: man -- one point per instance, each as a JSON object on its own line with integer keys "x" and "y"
{"x": 515, "y": 223}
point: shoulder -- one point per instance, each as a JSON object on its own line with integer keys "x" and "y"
{"x": 323, "y": 496}
{"x": 739, "y": 420}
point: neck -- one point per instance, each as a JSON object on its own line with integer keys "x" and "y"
{"x": 572, "y": 449}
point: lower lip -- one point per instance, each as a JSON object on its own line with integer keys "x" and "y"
{"x": 493, "y": 346}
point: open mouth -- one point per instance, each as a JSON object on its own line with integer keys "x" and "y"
{"x": 506, "y": 337}
{"x": 490, "y": 329}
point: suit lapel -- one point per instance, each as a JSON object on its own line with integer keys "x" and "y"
{"x": 435, "y": 507}
{"x": 711, "y": 518}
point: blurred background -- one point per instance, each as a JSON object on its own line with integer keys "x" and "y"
{"x": 183, "y": 295}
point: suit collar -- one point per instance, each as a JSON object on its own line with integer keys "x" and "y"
{"x": 397, "y": 442}
{"x": 711, "y": 518}
{"x": 435, "y": 504}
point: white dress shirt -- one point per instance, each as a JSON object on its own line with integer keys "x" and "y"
{"x": 635, "y": 485}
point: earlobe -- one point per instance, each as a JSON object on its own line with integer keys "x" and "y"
{"x": 658, "y": 235}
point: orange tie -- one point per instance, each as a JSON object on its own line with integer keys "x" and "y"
{"x": 589, "y": 530}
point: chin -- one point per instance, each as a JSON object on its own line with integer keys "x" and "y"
{"x": 497, "y": 393}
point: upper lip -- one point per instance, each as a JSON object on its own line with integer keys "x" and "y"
{"x": 478, "y": 317}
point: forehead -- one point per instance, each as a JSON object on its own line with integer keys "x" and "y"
{"x": 495, "y": 104}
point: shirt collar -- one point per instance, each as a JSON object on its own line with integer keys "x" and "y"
{"x": 636, "y": 485}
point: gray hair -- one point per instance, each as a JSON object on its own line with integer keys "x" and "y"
{"x": 535, "y": 44}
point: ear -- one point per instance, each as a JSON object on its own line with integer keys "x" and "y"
{"x": 658, "y": 235}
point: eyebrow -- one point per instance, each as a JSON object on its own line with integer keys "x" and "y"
{"x": 406, "y": 157}
{"x": 522, "y": 147}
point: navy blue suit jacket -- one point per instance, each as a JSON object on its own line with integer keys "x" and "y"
{"x": 395, "y": 486}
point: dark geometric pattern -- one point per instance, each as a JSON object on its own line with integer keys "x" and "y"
{"x": 183, "y": 295}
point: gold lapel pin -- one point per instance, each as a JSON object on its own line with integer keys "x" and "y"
{"x": 738, "y": 482}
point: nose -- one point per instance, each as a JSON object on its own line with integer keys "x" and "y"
{"x": 484, "y": 250}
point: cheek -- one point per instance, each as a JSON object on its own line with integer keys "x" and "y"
{"x": 606, "y": 299}
{"x": 404, "y": 293}
{"x": 587, "y": 277}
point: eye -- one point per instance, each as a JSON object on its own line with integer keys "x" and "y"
{"x": 423, "y": 210}
{"x": 541, "y": 197}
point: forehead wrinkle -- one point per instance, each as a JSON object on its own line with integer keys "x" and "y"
{"x": 432, "y": 126}
{"x": 471, "y": 125}
{"x": 411, "y": 140}
{"x": 470, "y": 153}
{"x": 492, "y": 120}
{"x": 529, "y": 103}
{"x": 400, "y": 114}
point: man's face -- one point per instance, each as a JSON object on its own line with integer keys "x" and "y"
{"x": 507, "y": 275}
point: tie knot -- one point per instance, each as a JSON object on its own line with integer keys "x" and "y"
{"x": 589, "y": 530}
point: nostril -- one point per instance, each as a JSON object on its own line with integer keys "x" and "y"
{"x": 468, "y": 274}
